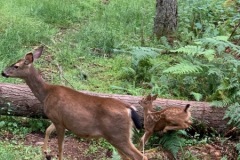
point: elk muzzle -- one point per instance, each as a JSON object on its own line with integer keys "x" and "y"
{"x": 4, "y": 74}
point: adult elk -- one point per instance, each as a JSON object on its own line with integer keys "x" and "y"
{"x": 85, "y": 115}
{"x": 171, "y": 118}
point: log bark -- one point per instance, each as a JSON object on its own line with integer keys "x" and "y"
{"x": 18, "y": 100}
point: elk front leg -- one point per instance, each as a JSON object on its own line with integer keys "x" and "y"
{"x": 49, "y": 130}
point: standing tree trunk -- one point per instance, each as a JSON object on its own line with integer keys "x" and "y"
{"x": 165, "y": 21}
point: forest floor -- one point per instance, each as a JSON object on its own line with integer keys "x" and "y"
{"x": 84, "y": 149}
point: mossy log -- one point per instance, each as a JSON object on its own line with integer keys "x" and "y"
{"x": 18, "y": 100}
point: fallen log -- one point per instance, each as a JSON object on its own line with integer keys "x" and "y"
{"x": 18, "y": 100}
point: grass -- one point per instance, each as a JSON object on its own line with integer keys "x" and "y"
{"x": 72, "y": 31}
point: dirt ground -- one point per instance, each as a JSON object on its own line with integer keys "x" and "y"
{"x": 78, "y": 149}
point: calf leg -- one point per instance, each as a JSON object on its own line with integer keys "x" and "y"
{"x": 144, "y": 139}
{"x": 176, "y": 127}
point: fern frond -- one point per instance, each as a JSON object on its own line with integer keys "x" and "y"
{"x": 129, "y": 70}
{"x": 233, "y": 114}
{"x": 209, "y": 54}
{"x": 144, "y": 52}
{"x": 197, "y": 96}
{"x": 172, "y": 142}
{"x": 184, "y": 68}
{"x": 215, "y": 72}
{"x": 223, "y": 103}
{"x": 221, "y": 42}
{"x": 189, "y": 49}
{"x": 217, "y": 104}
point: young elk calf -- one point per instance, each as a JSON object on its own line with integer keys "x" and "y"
{"x": 85, "y": 115}
{"x": 172, "y": 118}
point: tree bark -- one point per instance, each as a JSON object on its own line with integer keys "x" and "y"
{"x": 165, "y": 21}
{"x": 18, "y": 100}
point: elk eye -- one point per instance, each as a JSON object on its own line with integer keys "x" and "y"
{"x": 16, "y": 67}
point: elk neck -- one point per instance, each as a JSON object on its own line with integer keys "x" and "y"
{"x": 36, "y": 83}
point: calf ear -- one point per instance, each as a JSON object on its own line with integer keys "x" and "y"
{"x": 28, "y": 58}
{"x": 38, "y": 52}
{"x": 149, "y": 97}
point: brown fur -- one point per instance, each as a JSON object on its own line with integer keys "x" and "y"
{"x": 85, "y": 115}
{"x": 172, "y": 118}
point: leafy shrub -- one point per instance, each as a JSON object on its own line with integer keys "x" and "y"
{"x": 142, "y": 68}
{"x": 205, "y": 19}
{"x": 209, "y": 70}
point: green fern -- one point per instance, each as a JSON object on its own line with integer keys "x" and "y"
{"x": 172, "y": 142}
{"x": 184, "y": 68}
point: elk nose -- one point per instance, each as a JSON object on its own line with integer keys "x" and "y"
{"x": 4, "y": 74}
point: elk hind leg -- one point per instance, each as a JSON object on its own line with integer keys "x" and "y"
{"x": 60, "y": 135}
{"x": 126, "y": 148}
{"x": 122, "y": 155}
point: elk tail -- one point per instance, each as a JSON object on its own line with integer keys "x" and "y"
{"x": 135, "y": 118}
{"x": 186, "y": 108}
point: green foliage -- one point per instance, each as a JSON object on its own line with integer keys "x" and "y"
{"x": 238, "y": 150}
{"x": 233, "y": 112}
{"x": 21, "y": 126}
{"x": 115, "y": 155}
{"x": 12, "y": 151}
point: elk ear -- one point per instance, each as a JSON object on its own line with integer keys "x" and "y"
{"x": 28, "y": 58}
{"x": 154, "y": 97}
{"x": 37, "y": 52}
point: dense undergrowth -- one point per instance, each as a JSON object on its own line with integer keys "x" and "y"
{"x": 108, "y": 47}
